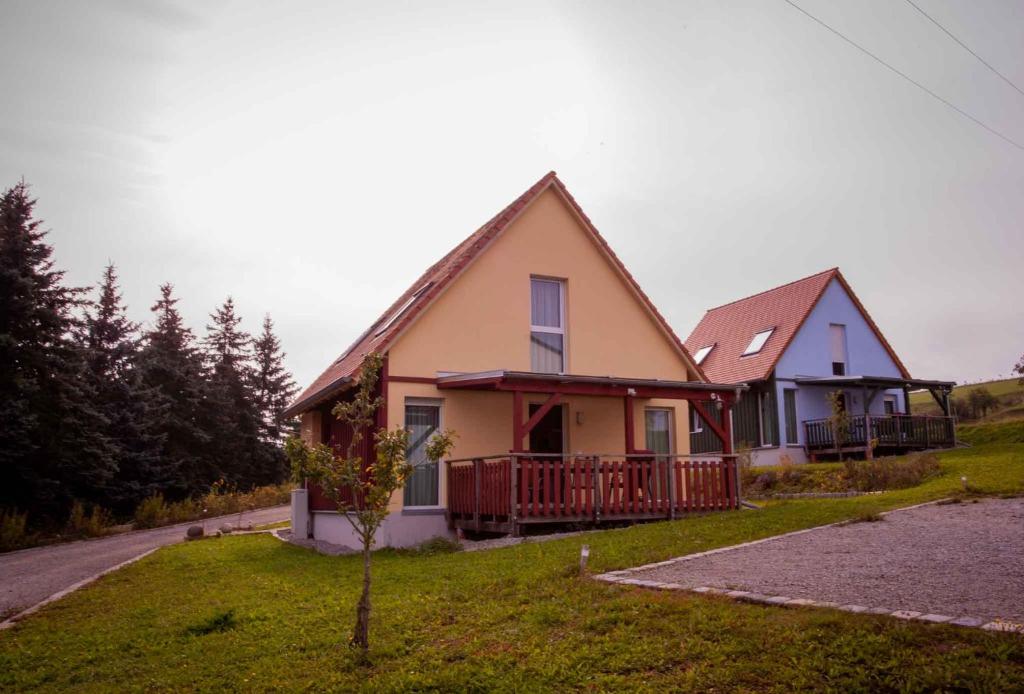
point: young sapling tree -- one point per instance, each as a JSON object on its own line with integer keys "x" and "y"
{"x": 360, "y": 489}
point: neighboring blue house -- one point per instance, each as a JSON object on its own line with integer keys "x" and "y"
{"x": 793, "y": 346}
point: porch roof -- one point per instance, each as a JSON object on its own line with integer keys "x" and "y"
{"x": 579, "y": 384}
{"x": 875, "y": 382}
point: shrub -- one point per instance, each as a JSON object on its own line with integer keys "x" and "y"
{"x": 438, "y": 545}
{"x": 219, "y": 501}
{"x": 152, "y": 512}
{"x": 890, "y": 473}
{"x": 13, "y": 533}
{"x": 94, "y": 524}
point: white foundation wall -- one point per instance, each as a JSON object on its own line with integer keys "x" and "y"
{"x": 763, "y": 457}
{"x": 398, "y": 529}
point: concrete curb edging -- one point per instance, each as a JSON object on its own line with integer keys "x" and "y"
{"x": 621, "y": 577}
{"x": 11, "y": 621}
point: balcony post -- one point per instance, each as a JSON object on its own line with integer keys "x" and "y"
{"x": 513, "y": 515}
{"x": 448, "y": 494}
{"x": 671, "y": 477}
{"x": 478, "y": 468}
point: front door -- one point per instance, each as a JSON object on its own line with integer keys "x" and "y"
{"x": 547, "y": 436}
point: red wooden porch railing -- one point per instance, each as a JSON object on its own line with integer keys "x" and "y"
{"x": 498, "y": 492}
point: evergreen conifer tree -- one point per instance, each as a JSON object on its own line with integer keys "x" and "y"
{"x": 51, "y": 445}
{"x": 171, "y": 365}
{"x": 131, "y": 410}
{"x": 236, "y": 441}
{"x": 274, "y": 390}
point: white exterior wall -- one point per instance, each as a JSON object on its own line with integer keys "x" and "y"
{"x": 399, "y": 529}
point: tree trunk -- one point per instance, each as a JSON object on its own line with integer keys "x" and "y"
{"x": 361, "y": 633}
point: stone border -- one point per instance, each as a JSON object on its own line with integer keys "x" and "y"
{"x": 621, "y": 577}
{"x": 815, "y": 495}
{"x": 11, "y": 621}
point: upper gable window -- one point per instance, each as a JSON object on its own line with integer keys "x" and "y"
{"x": 402, "y": 309}
{"x": 547, "y": 325}
{"x": 837, "y": 343}
{"x": 757, "y": 344}
{"x": 702, "y": 354}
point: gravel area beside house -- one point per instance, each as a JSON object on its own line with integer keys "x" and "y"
{"x": 937, "y": 559}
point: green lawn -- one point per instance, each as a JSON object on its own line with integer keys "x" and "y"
{"x": 516, "y": 619}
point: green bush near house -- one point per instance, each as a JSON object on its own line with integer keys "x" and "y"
{"x": 514, "y": 619}
{"x": 878, "y": 474}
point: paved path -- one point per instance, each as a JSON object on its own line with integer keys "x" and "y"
{"x": 31, "y": 575}
{"x": 945, "y": 559}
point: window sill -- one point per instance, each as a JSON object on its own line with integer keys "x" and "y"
{"x": 424, "y": 511}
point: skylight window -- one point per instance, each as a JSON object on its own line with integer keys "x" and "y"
{"x": 402, "y": 309}
{"x": 702, "y": 354}
{"x": 757, "y": 344}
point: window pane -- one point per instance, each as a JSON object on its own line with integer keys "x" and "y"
{"x": 658, "y": 437}
{"x": 421, "y": 488}
{"x": 789, "y": 400}
{"x": 837, "y": 338}
{"x": 757, "y": 343}
{"x": 546, "y": 353}
{"x": 545, "y": 303}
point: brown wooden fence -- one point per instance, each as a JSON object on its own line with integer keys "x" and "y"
{"x": 499, "y": 492}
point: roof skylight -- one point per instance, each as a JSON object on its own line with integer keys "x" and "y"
{"x": 703, "y": 353}
{"x": 402, "y": 309}
{"x": 757, "y": 344}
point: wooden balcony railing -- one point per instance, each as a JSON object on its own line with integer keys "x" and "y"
{"x": 884, "y": 431}
{"x": 497, "y": 493}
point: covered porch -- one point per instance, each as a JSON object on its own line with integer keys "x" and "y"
{"x": 870, "y": 431}
{"x": 506, "y": 491}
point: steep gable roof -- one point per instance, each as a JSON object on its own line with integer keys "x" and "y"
{"x": 730, "y": 328}
{"x": 386, "y": 329}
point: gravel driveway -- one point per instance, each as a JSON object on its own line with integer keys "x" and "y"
{"x": 948, "y": 559}
{"x": 32, "y": 575}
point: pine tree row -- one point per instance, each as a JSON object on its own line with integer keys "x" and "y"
{"x": 94, "y": 408}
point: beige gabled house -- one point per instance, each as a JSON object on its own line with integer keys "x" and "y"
{"x": 534, "y": 343}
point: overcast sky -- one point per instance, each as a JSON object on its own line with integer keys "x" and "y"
{"x": 282, "y": 152}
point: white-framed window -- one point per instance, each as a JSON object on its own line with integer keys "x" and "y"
{"x": 701, "y": 354}
{"x": 889, "y": 404}
{"x": 763, "y": 402}
{"x": 422, "y": 420}
{"x": 547, "y": 325}
{"x": 757, "y": 343}
{"x": 696, "y": 423}
{"x": 837, "y": 344}
{"x": 658, "y": 430}
{"x": 789, "y": 405}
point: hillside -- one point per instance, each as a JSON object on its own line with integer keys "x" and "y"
{"x": 1009, "y": 393}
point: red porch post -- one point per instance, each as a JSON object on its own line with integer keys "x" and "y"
{"x": 517, "y": 421}
{"x": 627, "y": 413}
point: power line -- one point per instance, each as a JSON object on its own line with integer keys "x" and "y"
{"x": 965, "y": 47}
{"x": 905, "y": 76}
